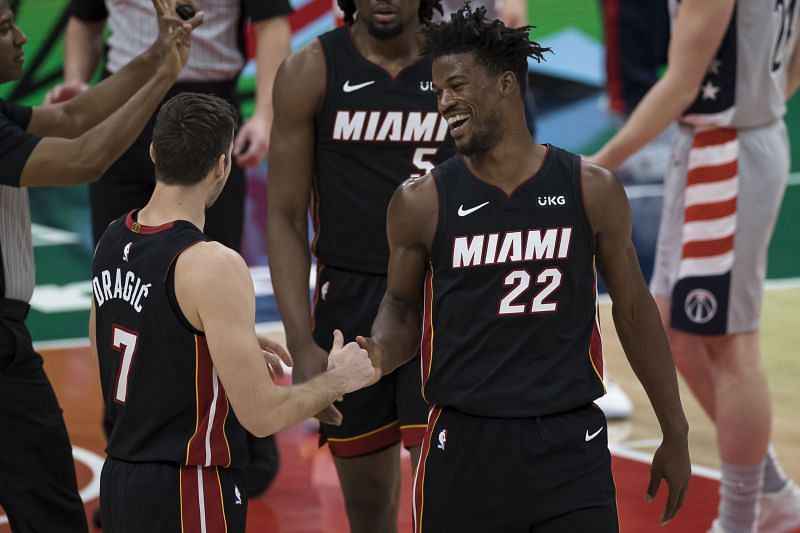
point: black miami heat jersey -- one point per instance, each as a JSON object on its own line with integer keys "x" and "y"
{"x": 372, "y": 133}
{"x": 161, "y": 390}
{"x": 510, "y": 323}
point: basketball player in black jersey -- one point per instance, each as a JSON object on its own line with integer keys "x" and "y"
{"x": 355, "y": 116}
{"x": 498, "y": 245}
{"x": 182, "y": 370}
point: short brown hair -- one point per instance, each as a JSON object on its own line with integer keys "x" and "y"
{"x": 192, "y": 130}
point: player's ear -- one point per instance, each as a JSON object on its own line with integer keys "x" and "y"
{"x": 152, "y": 153}
{"x": 508, "y": 83}
{"x": 222, "y": 163}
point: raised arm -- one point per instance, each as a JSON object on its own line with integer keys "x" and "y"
{"x": 639, "y": 328}
{"x": 272, "y": 47}
{"x": 411, "y": 225}
{"x": 76, "y": 116}
{"x": 299, "y": 87}
{"x": 696, "y": 36}
{"x": 793, "y": 82}
{"x": 65, "y": 161}
{"x": 83, "y": 48}
{"x": 215, "y": 292}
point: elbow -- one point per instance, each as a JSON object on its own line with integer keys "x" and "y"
{"x": 257, "y": 426}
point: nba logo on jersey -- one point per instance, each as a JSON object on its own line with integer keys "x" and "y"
{"x": 323, "y": 292}
{"x": 126, "y": 251}
{"x": 442, "y": 439}
{"x": 238, "y": 495}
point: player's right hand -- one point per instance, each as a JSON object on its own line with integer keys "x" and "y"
{"x": 355, "y": 360}
{"x": 310, "y": 360}
{"x": 65, "y": 91}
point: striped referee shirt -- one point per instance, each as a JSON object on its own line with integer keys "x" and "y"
{"x": 216, "y": 45}
{"x": 17, "y": 272}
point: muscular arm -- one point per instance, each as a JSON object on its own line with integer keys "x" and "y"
{"x": 215, "y": 292}
{"x": 638, "y": 324}
{"x": 272, "y": 47}
{"x": 77, "y": 115}
{"x": 59, "y": 161}
{"x": 696, "y": 36}
{"x": 411, "y": 224}
{"x": 793, "y": 82}
{"x": 66, "y": 161}
{"x": 299, "y": 87}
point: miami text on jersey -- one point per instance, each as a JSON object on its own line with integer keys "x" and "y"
{"x": 393, "y": 126}
{"x": 511, "y": 247}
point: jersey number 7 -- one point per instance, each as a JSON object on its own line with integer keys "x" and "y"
{"x": 123, "y": 340}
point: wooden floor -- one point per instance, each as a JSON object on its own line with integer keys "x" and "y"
{"x": 781, "y": 359}
{"x": 306, "y": 499}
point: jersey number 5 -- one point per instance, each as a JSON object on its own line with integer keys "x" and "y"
{"x": 520, "y": 280}
{"x": 123, "y": 340}
{"x": 421, "y": 161}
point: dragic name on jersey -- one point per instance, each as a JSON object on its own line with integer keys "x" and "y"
{"x": 116, "y": 285}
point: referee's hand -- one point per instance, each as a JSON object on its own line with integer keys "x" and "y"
{"x": 671, "y": 463}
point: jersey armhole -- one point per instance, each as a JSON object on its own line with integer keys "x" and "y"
{"x": 441, "y": 221}
{"x": 327, "y": 63}
{"x": 169, "y": 284}
{"x": 577, "y": 189}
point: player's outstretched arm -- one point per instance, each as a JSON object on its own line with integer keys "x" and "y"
{"x": 696, "y": 35}
{"x": 66, "y": 161}
{"x": 410, "y": 226}
{"x": 639, "y": 328}
{"x": 793, "y": 79}
{"x": 299, "y": 87}
{"x": 215, "y": 292}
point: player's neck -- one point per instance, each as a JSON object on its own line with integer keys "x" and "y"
{"x": 391, "y": 54}
{"x": 173, "y": 202}
{"x": 510, "y": 162}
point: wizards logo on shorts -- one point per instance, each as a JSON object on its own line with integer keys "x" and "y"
{"x": 700, "y": 305}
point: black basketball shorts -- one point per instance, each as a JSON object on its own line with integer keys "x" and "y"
{"x": 550, "y": 474}
{"x": 137, "y": 497}
{"x": 392, "y": 410}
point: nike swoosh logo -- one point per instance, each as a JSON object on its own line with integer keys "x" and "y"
{"x": 593, "y": 435}
{"x": 350, "y": 88}
{"x": 464, "y": 212}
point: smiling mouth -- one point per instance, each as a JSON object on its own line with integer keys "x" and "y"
{"x": 457, "y": 121}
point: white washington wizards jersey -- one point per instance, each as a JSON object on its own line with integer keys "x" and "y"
{"x": 745, "y": 86}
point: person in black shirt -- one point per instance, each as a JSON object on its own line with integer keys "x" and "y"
{"x": 182, "y": 369}
{"x": 498, "y": 246}
{"x": 60, "y": 144}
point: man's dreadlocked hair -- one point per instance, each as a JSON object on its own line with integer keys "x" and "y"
{"x": 496, "y": 47}
{"x": 426, "y": 8}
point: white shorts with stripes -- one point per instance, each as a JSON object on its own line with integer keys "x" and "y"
{"x": 763, "y": 170}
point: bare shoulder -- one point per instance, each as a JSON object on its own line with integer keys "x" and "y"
{"x": 597, "y": 179}
{"x": 210, "y": 261}
{"x": 302, "y": 74}
{"x": 604, "y": 196}
{"x": 417, "y": 195}
{"x": 414, "y": 212}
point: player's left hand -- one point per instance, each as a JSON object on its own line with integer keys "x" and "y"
{"x": 274, "y": 354}
{"x": 671, "y": 463}
{"x": 252, "y": 142}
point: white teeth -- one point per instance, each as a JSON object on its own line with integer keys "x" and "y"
{"x": 456, "y": 118}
